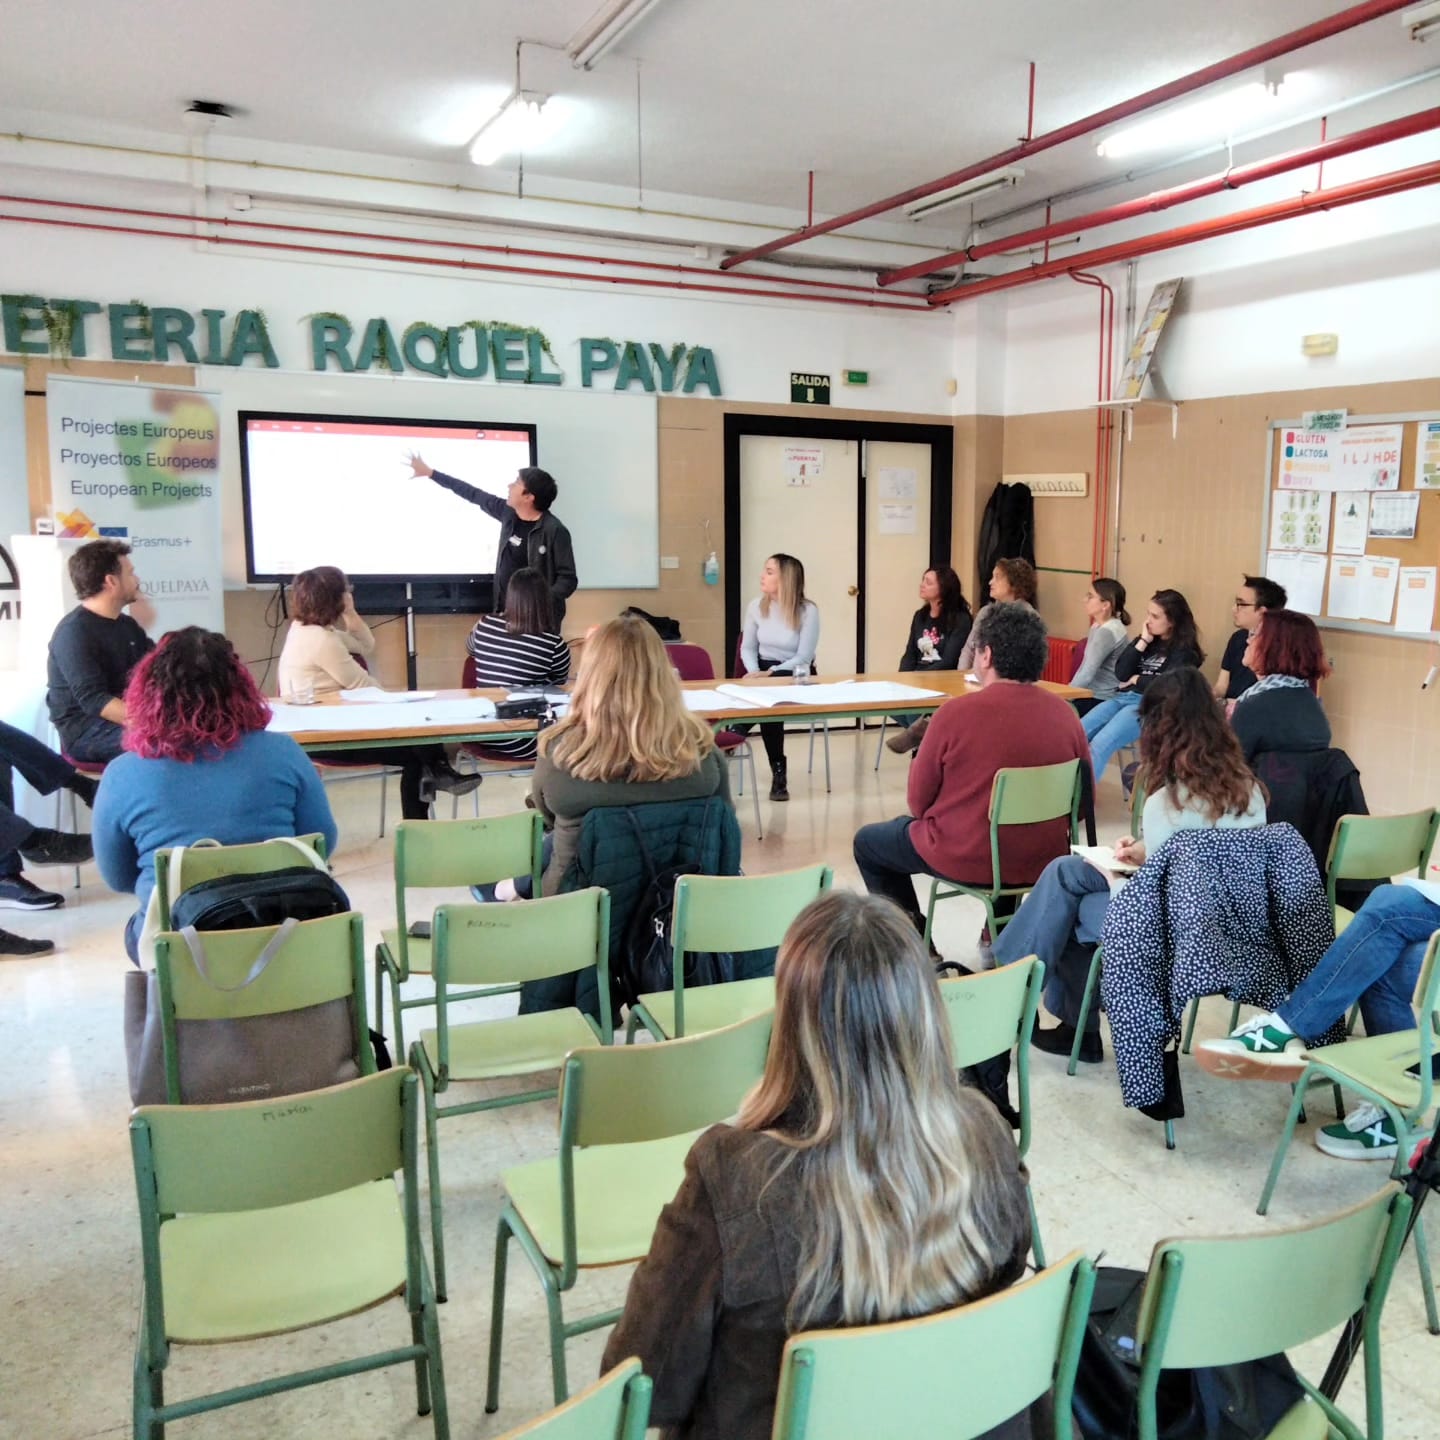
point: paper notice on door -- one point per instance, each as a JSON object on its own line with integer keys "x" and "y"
{"x": 897, "y": 520}
{"x": 1300, "y": 520}
{"x": 1345, "y": 587}
{"x": 1415, "y": 600}
{"x": 1393, "y": 515}
{"x": 1302, "y": 575}
{"x": 804, "y": 464}
{"x": 897, "y": 484}
{"x": 1379, "y": 578}
{"x": 1352, "y": 522}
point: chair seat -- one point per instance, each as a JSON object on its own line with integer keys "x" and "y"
{"x": 262, "y": 1272}
{"x": 1304, "y": 1420}
{"x": 712, "y": 1007}
{"x": 516, "y": 1045}
{"x": 1343, "y": 917}
{"x": 417, "y": 950}
{"x": 620, "y": 1191}
{"x": 1378, "y": 1062}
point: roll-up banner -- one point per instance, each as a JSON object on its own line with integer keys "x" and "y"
{"x": 141, "y": 463}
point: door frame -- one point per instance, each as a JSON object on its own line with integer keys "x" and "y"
{"x": 940, "y": 439}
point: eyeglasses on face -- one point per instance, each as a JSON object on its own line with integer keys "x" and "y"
{"x": 1245, "y": 604}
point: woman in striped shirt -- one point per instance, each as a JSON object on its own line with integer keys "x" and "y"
{"x": 519, "y": 650}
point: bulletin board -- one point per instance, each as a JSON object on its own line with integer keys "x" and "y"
{"x": 1311, "y": 531}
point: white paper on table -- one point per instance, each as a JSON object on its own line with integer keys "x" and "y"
{"x": 840, "y": 692}
{"x": 1352, "y": 522}
{"x": 897, "y": 520}
{"x": 1379, "y": 577}
{"x": 897, "y": 484}
{"x": 1415, "y": 601}
{"x": 1303, "y": 576}
{"x": 1346, "y": 582}
{"x": 440, "y": 714}
{"x": 1102, "y": 858}
{"x": 1300, "y": 520}
{"x": 374, "y": 695}
{"x": 1393, "y": 515}
{"x": 715, "y": 700}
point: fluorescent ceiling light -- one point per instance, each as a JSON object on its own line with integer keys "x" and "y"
{"x": 974, "y": 189}
{"x": 521, "y": 123}
{"x": 604, "y": 29}
{"x": 1423, "y": 21}
{"x": 1212, "y": 118}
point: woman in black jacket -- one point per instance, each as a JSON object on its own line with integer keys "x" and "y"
{"x": 938, "y": 632}
{"x": 1167, "y": 641}
{"x": 1281, "y": 710}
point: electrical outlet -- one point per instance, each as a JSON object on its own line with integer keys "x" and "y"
{"x": 669, "y": 562}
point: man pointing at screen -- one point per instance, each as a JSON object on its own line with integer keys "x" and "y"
{"x": 529, "y": 533}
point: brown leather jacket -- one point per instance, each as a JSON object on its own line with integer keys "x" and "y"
{"x": 706, "y": 1308}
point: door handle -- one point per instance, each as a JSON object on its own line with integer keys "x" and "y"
{"x": 853, "y": 591}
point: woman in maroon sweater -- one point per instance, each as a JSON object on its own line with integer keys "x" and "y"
{"x": 1009, "y": 723}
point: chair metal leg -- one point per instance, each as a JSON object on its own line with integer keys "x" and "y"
{"x": 754, "y": 792}
{"x": 1169, "y": 1134}
{"x": 1190, "y": 1026}
{"x": 420, "y": 1063}
{"x": 503, "y": 1232}
{"x": 384, "y": 786}
{"x": 880, "y": 743}
{"x": 1349, "y": 1023}
{"x": 422, "y": 1364}
{"x": 1286, "y": 1136}
{"x": 1035, "y": 1244}
{"x": 1086, "y": 1000}
{"x": 1427, "y": 1284}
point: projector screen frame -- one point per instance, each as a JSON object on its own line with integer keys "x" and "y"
{"x": 242, "y": 417}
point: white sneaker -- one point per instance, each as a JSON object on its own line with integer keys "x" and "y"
{"x": 1364, "y": 1134}
{"x": 1263, "y": 1048}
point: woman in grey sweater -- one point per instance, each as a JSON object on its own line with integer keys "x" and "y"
{"x": 1108, "y": 617}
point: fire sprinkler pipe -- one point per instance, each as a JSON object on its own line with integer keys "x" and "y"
{"x": 1324, "y": 29}
{"x": 1231, "y": 179}
{"x": 1394, "y": 183}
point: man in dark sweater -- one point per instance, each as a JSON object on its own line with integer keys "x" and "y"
{"x": 94, "y": 649}
{"x": 529, "y": 533}
{"x": 1010, "y": 723}
{"x": 1257, "y": 595}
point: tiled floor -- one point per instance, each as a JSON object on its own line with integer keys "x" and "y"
{"x": 1103, "y": 1179}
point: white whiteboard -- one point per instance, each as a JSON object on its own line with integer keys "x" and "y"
{"x": 600, "y": 447}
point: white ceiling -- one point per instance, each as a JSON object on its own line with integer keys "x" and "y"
{"x": 739, "y": 98}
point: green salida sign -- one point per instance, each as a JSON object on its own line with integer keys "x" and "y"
{"x": 506, "y": 353}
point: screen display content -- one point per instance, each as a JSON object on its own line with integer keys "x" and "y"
{"x": 338, "y": 490}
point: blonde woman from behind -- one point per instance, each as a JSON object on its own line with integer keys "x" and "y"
{"x": 861, "y": 1183}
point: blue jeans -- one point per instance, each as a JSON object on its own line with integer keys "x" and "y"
{"x": 1060, "y": 923}
{"x": 1376, "y": 961}
{"x": 1111, "y": 726}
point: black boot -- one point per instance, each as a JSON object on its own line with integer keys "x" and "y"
{"x": 778, "y": 790}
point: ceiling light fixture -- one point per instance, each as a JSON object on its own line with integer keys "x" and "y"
{"x": 518, "y": 125}
{"x": 1215, "y": 117}
{"x": 975, "y": 189}
{"x": 604, "y": 29}
{"x": 1423, "y": 21}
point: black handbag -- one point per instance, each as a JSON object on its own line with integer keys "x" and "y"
{"x": 1218, "y": 1402}
{"x": 247, "y": 902}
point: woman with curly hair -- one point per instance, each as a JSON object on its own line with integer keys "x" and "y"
{"x": 200, "y": 764}
{"x": 1195, "y": 778}
{"x": 1013, "y": 580}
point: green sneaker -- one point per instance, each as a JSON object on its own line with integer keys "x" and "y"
{"x": 1364, "y": 1134}
{"x": 1263, "y": 1048}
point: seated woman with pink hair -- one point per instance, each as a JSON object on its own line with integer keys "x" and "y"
{"x": 199, "y": 764}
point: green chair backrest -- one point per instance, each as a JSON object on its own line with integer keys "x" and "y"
{"x": 1188, "y": 1312}
{"x": 210, "y": 862}
{"x": 1027, "y": 795}
{"x": 1377, "y": 847}
{"x": 615, "y": 1407}
{"x": 219, "y": 1159}
{"x": 430, "y": 854}
{"x": 502, "y": 946}
{"x": 622, "y": 1094}
{"x": 958, "y": 1373}
{"x": 742, "y": 912}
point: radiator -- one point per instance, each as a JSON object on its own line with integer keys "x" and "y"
{"x": 1060, "y": 664}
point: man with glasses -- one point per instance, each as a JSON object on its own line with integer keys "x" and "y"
{"x": 1256, "y": 596}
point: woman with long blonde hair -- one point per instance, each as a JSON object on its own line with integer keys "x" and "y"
{"x": 782, "y": 629}
{"x": 861, "y": 1183}
{"x": 627, "y": 740}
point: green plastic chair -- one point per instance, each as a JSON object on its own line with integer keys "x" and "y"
{"x": 958, "y": 1373}
{"x": 211, "y": 862}
{"x": 1202, "y": 1305}
{"x": 991, "y": 1014}
{"x": 726, "y": 913}
{"x": 431, "y": 854}
{"x": 271, "y": 1216}
{"x": 1021, "y": 796}
{"x": 492, "y": 949}
{"x": 615, "y": 1407}
{"x": 323, "y": 960}
{"x": 628, "y": 1116}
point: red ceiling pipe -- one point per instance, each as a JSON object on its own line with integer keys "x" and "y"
{"x": 455, "y": 264}
{"x": 1196, "y": 80}
{"x": 1394, "y": 183}
{"x": 228, "y": 222}
{"x": 1231, "y": 179}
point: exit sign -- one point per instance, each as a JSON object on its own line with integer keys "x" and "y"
{"x": 809, "y": 389}
{"x": 857, "y": 377}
